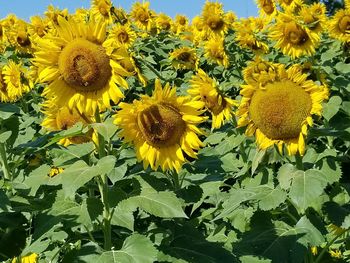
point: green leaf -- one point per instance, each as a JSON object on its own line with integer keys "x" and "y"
{"x": 332, "y": 106}
{"x": 136, "y": 249}
{"x": 4, "y": 136}
{"x": 80, "y": 173}
{"x": 123, "y": 218}
{"x": 269, "y": 197}
{"x": 5, "y": 205}
{"x": 342, "y": 67}
{"x": 7, "y": 110}
{"x": 312, "y": 237}
{"x": 38, "y": 177}
{"x": 285, "y": 175}
{"x": 339, "y": 215}
{"x": 106, "y": 129}
{"x": 63, "y": 155}
{"x": 257, "y": 159}
{"x": 306, "y": 187}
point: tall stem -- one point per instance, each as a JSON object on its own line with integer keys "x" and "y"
{"x": 3, "y": 158}
{"x": 103, "y": 187}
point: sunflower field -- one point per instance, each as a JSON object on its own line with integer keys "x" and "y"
{"x": 132, "y": 136}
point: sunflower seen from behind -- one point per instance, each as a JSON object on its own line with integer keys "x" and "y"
{"x": 279, "y": 112}
{"x": 205, "y": 89}
{"x": 162, "y": 128}
{"x": 77, "y": 68}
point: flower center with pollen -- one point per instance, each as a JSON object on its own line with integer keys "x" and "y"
{"x": 268, "y": 7}
{"x": 214, "y": 104}
{"x": 215, "y": 23}
{"x": 123, "y": 36}
{"x": 161, "y": 125}
{"x": 344, "y": 24}
{"x": 280, "y": 109}
{"x": 84, "y": 65}
{"x": 295, "y": 34}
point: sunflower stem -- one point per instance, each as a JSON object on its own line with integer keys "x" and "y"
{"x": 3, "y": 158}
{"x": 318, "y": 259}
{"x": 104, "y": 191}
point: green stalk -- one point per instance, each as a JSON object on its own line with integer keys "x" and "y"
{"x": 3, "y": 158}
{"x": 103, "y": 187}
{"x": 318, "y": 259}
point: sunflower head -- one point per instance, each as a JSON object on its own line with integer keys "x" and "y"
{"x": 259, "y": 71}
{"x": 162, "y": 127}
{"x": 38, "y": 26}
{"x": 339, "y": 25}
{"x": 314, "y": 16}
{"x": 278, "y": 112}
{"x": 78, "y": 68}
{"x": 52, "y": 13}
{"x": 120, "y": 35}
{"x": 267, "y": 8}
{"x": 293, "y": 38}
{"x": 163, "y": 22}
{"x": 204, "y": 89}
{"x": 184, "y": 58}
{"x": 215, "y": 51}
{"x": 101, "y": 9}
{"x": 142, "y": 15}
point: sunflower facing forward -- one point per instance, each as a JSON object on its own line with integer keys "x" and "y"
{"x": 75, "y": 64}
{"x": 205, "y": 89}
{"x": 163, "y": 128}
{"x": 339, "y": 25}
{"x": 278, "y": 112}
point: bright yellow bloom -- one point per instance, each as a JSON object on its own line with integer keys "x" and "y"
{"x": 184, "y": 58}
{"x": 180, "y": 24}
{"x": 203, "y": 88}
{"x": 31, "y": 258}
{"x": 61, "y": 118}
{"x": 278, "y": 112}
{"x": 120, "y": 35}
{"x": 314, "y": 16}
{"x": 214, "y": 19}
{"x": 267, "y": 8}
{"x": 293, "y": 38}
{"x": 55, "y": 171}
{"x": 14, "y": 82}
{"x": 142, "y": 15}
{"x": 215, "y": 51}
{"x": 18, "y": 36}
{"x": 248, "y": 34}
{"x": 38, "y": 27}
{"x": 53, "y": 13}
{"x": 290, "y": 5}
{"x": 77, "y": 67}
{"x": 162, "y": 128}
{"x": 314, "y": 250}
{"x": 101, "y": 10}
{"x": 339, "y": 25}
{"x": 335, "y": 253}
{"x": 163, "y": 22}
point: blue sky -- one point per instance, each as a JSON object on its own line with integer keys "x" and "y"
{"x": 27, "y": 8}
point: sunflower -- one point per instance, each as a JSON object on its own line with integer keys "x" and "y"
{"x": 52, "y": 13}
{"x": 339, "y": 25}
{"x": 184, "y": 58}
{"x": 101, "y": 10}
{"x": 120, "y": 35}
{"x": 314, "y": 16}
{"x": 180, "y": 24}
{"x": 142, "y": 16}
{"x": 267, "y": 8}
{"x": 214, "y": 19}
{"x": 62, "y": 118}
{"x": 14, "y": 82}
{"x": 127, "y": 62}
{"x": 30, "y": 258}
{"x": 163, "y": 22}
{"x": 290, "y": 5}
{"x": 198, "y": 29}
{"x": 215, "y": 51}
{"x": 38, "y": 27}
{"x": 79, "y": 71}
{"x": 259, "y": 71}
{"x": 18, "y": 36}
{"x": 249, "y": 32}
{"x": 279, "y": 112}
{"x": 230, "y": 18}
{"x": 203, "y": 88}
{"x": 293, "y": 38}
{"x": 163, "y": 128}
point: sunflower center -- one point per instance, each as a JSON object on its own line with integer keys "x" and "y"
{"x": 84, "y": 65}
{"x": 22, "y": 39}
{"x": 161, "y": 125}
{"x": 295, "y": 34}
{"x": 103, "y": 9}
{"x": 280, "y": 109}
{"x": 184, "y": 56}
{"x": 214, "y": 104}
{"x": 344, "y": 24}
{"x": 215, "y": 23}
{"x": 268, "y": 7}
{"x": 142, "y": 16}
{"x": 287, "y": 2}
{"x": 123, "y": 37}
